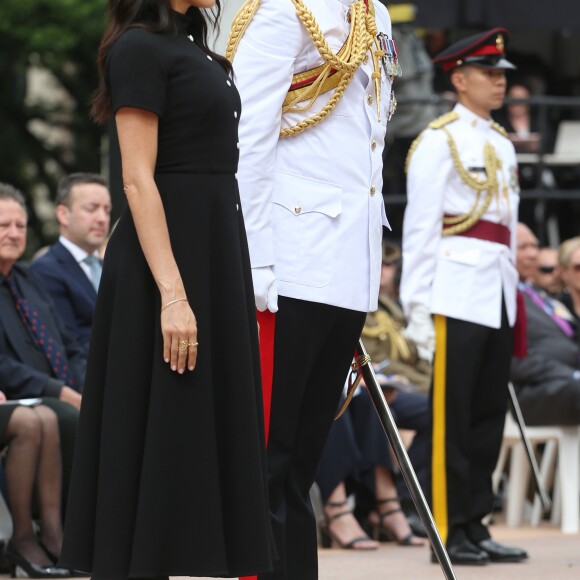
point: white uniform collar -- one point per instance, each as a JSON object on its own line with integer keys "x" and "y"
{"x": 346, "y": 2}
{"x": 470, "y": 117}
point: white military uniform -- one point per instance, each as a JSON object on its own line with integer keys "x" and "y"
{"x": 457, "y": 276}
{"x": 312, "y": 203}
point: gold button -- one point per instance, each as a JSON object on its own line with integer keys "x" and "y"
{"x": 370, "y": 99}
{"x": 373, "y": 145}
{"x": 297, "y": 209}
{"x": 373, "y": 190}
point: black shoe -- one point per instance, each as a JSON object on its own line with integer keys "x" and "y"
{"x": 23, "y": 568}
{"x": 465, "y": 554}
{"x": 500, "y": 553}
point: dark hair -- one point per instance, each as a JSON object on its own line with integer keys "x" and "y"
{"x": 9, "y": 192}
{"x": 155, "y": 16}
{"x": 66, "y": 184}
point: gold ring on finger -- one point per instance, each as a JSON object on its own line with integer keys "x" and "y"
{"x": 183, "y": 345}
{"x": 193, "y": 344}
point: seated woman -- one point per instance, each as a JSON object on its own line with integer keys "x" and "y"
{"x": 357, "y": 459}
{"x": 32, "y": 465}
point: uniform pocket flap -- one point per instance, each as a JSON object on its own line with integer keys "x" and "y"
{"x": 468, "y": 257}
{"x": 302, "y": 195}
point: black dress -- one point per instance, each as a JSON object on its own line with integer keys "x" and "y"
{"x": 169, "y": 475}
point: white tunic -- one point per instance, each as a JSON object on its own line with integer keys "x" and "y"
{"x": 312, "y": 203}
{"x": 457, "y": 276}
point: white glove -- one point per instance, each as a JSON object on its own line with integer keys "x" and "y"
{"x": 265, "y": 289}
{"x": 421, "y": 330}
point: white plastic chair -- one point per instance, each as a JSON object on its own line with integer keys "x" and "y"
{"x": 563, "y": 451}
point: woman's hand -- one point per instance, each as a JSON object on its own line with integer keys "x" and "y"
{"x": 179, "y": 329}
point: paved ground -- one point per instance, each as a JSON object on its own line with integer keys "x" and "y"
{"x": 553, "y": 556}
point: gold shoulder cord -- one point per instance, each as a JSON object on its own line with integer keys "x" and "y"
{"x": 501, "y": 130}
{"x": 438, "y": 123}
{"x": 362, "y": 36}
{"x": 492, "y": 163}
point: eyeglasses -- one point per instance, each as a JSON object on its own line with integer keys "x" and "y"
{"x": 549, "y": 269}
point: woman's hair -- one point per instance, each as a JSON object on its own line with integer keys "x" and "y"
{"x": 155, "y": 16}
{"x": 567, "y": 248}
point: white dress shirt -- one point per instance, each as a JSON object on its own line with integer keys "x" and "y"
{"x": 79, "y": 255}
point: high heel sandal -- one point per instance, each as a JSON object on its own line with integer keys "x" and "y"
{"x": 54, "y": 559}
{"x": 20, "y": 567}
{"x": 381, "y": 532}
{"x": 327, "y": 536}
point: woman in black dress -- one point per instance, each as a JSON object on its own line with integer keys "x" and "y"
{"x": 32, "y": 469}
{"x": 169, "y": 474}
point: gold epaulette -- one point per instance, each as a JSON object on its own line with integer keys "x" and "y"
{"x": 412, "y": 150}
{"x": 440, "y": 122}
{"x": 497, "y": 127}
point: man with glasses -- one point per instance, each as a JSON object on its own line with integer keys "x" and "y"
{"x": 547, "y": 276}
{"x": 547, "y": 380}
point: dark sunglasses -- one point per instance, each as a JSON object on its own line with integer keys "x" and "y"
{"x": 547, "y": 269}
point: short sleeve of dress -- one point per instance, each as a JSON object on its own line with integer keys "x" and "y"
{"x": 137, "y": 72}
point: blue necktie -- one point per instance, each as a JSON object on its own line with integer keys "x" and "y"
{"x": 96, "y": 269}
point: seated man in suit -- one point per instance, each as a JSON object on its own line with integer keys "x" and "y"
{"x": 71, "y": 269}
{"x": 38, "y": 356}
{"x": 548, "y": 379}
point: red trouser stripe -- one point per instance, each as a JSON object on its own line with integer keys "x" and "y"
{"x": 267, "y": 322}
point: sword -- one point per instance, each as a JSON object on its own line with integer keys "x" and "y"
{"x": 363, "y": 361}
{"x": 517, "y": 414}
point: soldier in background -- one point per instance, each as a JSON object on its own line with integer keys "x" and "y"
{"x": 459, "y": 251}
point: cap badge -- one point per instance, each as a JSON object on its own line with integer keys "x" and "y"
{"x": 499, "y": 43}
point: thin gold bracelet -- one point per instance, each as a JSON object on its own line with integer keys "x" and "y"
{"x": 173, "y": 302}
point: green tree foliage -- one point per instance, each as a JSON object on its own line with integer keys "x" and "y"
{"x": 48, "y": 72}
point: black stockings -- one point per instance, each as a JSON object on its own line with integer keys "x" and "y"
{"x": 33, "y": 463}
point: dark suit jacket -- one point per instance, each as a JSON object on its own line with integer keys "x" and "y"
{"x": 544, "y": 379}
{"x": 70, "y": 289}
{"x": 18, "y": 377}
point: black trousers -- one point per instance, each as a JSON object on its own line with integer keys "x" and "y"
{"x": 313, "y": 348}
{"x": 468, "y": 406}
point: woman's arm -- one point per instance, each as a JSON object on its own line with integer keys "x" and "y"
{"x": 137, "y": 130}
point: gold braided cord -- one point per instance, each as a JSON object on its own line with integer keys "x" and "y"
{"x": 412, "y": 149}
{"x": 492, "y": 164}
{"x": 386, "y": 327}
{"x": 241, "y": 21}
{"x": 362, "y": 36}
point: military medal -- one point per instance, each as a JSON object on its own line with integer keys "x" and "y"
{"x": 398, "y": 68}
{"x": 390, "y": 59}
{"x": 392, "y": 106}
{"x": 514, "y": 181}
{"x": 385, "y": 60}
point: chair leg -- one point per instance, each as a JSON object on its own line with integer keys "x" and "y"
{"x": 518, "y": 485}
{"x": 569, "y": 480}
{"x": 547, "y": 468}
